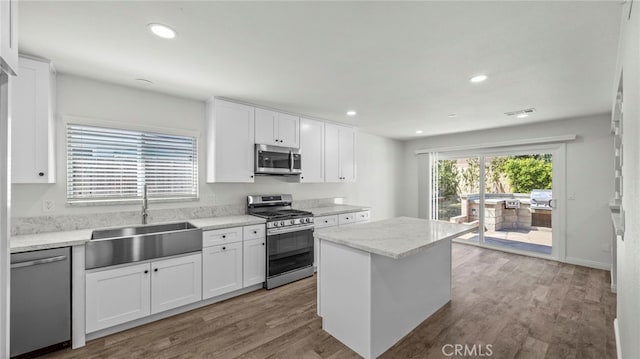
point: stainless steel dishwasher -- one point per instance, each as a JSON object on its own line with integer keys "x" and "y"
{"x": 40, "y": 302}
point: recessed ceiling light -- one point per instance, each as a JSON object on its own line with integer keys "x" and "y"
{"x": 162, "y": 31}
{"x": 452, "y": 115}
{"x": 351, "y": 113}
{"x": 478, "y": 78}
{"x": 419, "y": 131}
{"x": 522, "y": 115}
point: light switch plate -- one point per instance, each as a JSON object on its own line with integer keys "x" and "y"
{"x": 48, "y": 205}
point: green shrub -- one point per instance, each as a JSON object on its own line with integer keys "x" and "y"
{"x": 528, "y": 173}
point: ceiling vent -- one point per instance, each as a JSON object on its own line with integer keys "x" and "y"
{"x": 514, "y": 113}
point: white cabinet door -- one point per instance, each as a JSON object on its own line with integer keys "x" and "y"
{"x": 347, "y": 154}
{"x": 33, "y": 123}
{"x": 116, "y": 296}
{"x": 277, "y": 129}
{"x": 176, "y": 282}
{"x": 221, "y": 269}
{"x": 312, "y": 146}
{"x": 340, "y": 153}
{"x": 254, "y": 267}
{"x": 266, "y": 127}
{"x": 288, "y": 133}
{"x": 331, "y": 153}
{"x": 9, "y": 36}
{"x": 230, "y": 142}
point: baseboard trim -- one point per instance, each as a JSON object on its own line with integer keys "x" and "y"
{"x": 587, "y": 263}
{"x": 617, "y": 333}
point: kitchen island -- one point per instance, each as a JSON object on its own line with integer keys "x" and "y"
{"x": 378, "y": 281}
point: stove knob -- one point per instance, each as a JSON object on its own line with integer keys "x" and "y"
{"x": 274, "y": 224}
{"x": 293, "y": 221}
{"x": 282, "y": 223}
{"x": 308, "y": 220}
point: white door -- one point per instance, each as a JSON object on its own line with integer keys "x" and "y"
{"x": 116, "y": 296}
{"x": 288, "y": 130}
{"x": 312, "y": 146}
{"x": 221, "y": 269}
{"x": 266, "y": 127}
{"x": 254, "y": 262}
{"x": 176, "y": 282}
{"x": 331, "y": 153}
{"x": 230, "y": 142}
{"x": 347, "y": 154}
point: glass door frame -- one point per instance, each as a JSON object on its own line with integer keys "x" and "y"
{"x": 558, "y": 153}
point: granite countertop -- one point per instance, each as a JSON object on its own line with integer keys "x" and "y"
{"x": 336, "y": 209}
{"x": 31, "y": 242}
{"x": 396, "y": 237}
{"x": 207, "y": 224}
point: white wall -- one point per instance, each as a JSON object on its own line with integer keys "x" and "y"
{"x": 589, "y": 178}
{"x": 628, "y": 286}
{"x": 380, "y": 159}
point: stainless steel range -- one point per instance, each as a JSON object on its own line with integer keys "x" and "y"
{"x": 289, "y": 238}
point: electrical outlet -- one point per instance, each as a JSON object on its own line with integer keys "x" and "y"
{"x": 48, "y": 205}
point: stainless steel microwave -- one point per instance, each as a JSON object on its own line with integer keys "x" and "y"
{"x": 275, "y": 160}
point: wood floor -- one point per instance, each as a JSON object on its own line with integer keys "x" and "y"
{"x": 524, "y": 307}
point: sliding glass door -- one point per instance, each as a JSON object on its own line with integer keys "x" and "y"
{"x": 511, "y": 194}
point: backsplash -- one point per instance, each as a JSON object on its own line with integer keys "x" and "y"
{"x": 43, "y": 224}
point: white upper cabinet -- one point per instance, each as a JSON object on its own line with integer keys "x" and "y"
{"x": 230, "y": 141}
{"x": 33, "y": 123}
{"x": 312, "y": 146}
{"x": 277, "y": 129}
{"x": 9, "y": 36}
{"x": 340, "y": 155}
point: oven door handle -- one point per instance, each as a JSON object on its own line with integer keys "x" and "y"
{"x": 287, "y": 230}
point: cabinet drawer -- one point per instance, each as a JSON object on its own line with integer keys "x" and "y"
{"x": 325, "y": 221}
{"x": 254, "y": 232}
{"x": 346, "y": 218}
{"x": 363, "y": 216}
{"x": 221, "y": 236}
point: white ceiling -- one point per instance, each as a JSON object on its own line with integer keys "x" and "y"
{"x": 404, "y": 66}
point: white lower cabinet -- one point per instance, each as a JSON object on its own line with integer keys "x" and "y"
{"x": 222, "y": 269}
{"x": 176, "y": 282}
{"x": 119, "y": 295}
{"x": 340, "y": 220}
{"x": 254, "y": 264}
{"x": 238, "y": 263}
{"x": 116, "y": 296}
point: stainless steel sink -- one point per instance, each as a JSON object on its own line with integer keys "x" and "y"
{"x": 138, "y": 243}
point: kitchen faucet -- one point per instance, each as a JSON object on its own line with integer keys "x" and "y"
{"x": 145, "y": 205}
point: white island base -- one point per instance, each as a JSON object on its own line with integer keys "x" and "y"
{"x": 369, "y": 301}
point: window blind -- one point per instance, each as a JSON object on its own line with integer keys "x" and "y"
{"x": 106, "y": 164}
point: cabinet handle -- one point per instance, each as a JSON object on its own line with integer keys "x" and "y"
{"x": 251, "y": 176}
{"x": 224, "y": 248}
{"x": 263, "y": 243}
{"x": 224, "y": 236}
{"x": 155, "y": 270}
{"x": 146, "y": 271}
{"x": 255, "y": 232}
{"x": 301, "y": 177}
{"x": 41, "y": 174}
{"x": 326, "y": 221}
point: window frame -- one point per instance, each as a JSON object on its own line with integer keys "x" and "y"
{"x": 117, "y": 125}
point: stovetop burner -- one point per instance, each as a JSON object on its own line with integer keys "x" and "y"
{"x": 277, "y": 210}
